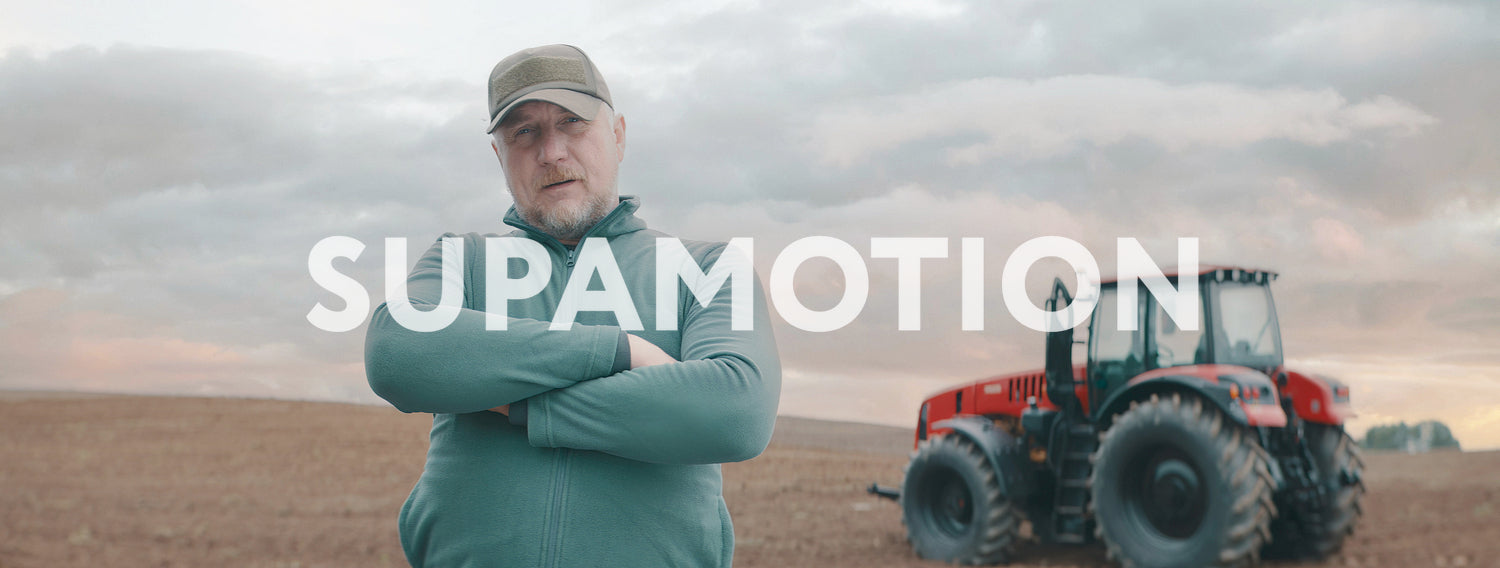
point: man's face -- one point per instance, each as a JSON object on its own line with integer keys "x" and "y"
{"x": 561, "y": 169}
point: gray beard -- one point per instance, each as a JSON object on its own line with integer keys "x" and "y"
{"x": 569, "y": 223}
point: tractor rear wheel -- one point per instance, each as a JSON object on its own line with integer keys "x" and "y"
{"x": 953, "y": 507}
{"x": 1315, "y": 533}
{"x": 1176, "y": 485}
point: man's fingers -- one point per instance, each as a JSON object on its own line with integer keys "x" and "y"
{"x": 502, "y": 409}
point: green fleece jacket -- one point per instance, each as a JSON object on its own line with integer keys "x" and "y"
{"x": 608, "y": 469}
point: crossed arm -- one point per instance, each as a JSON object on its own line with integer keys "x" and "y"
{"x": 716, "y": 405}
{"x": 642, "y": 354}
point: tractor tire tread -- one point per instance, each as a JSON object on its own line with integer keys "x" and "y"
{"x": 1241, "y": 461}
{"x": 1322, "y": 534}
{"x": 1001, "y": 526}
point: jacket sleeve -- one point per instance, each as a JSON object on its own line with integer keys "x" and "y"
{"x": 717, "y": 405}
{"x": 465, "y": 368}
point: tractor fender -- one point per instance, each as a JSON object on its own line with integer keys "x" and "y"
{"x": 1212, "y": 390}
{"x": 1317, "y": 398}
{"x": 1004, "y": 451}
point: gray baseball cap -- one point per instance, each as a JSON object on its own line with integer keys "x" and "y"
{"x": 558, "y": 74}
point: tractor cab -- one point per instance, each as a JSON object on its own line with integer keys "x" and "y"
{"x": 1236, "y": 326}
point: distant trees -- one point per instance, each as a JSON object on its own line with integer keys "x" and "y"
{"x": 1415, "y": 439}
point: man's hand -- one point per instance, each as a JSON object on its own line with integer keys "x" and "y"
{"x": 642, "y": 354}
{"x": 645, "y": 354}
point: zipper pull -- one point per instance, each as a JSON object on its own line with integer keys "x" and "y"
{"x": 572, "y": 255}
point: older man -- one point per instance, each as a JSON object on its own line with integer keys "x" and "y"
{"x": 592, "y": 445}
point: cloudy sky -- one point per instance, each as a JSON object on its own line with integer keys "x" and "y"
{"x": 166, "y": 167}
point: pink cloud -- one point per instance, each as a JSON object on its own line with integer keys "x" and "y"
{"x": 1336, "y": 240}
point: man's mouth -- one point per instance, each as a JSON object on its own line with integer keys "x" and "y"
{"x": 557, "y": 184}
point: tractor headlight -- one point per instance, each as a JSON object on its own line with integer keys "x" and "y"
{"x": 1339, "y": 389}
{"x": 1250, "y": 389}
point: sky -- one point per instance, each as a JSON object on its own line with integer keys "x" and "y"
{"x": 166, "y": 167}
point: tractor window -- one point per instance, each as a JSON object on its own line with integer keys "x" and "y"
{"x": 1248, "y": 323}
{"x": 1174, "y": 345}
{"x": 1116, "y": 356}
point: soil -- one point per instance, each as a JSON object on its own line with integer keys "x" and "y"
{"x": 91, "y": 480}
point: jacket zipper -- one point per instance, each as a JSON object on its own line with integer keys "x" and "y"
{"x": 552, "y": 555}
{"x": 554, "y": 531}
{"x": 572, "y": 254}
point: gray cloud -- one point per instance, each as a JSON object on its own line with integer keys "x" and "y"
{"x": 182, "y": 190}
{"x": 164, "y": 200}
{"x": 821, "y": 65}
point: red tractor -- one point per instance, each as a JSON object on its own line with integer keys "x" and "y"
{"x": 1172, "y": 447}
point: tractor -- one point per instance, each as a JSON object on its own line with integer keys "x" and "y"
{"x": 1171, "y": 446}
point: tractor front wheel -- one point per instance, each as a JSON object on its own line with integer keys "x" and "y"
{"x": 1317, "y": 531}
{"x": 952, "y": 505}
{"x": 1176, "y": 485}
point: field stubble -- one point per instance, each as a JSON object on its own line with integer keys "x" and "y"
{"x": 156, "y": 481}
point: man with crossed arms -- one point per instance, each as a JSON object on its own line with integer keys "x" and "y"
{"x": 593, "y": 445}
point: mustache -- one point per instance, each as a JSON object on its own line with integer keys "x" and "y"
{"x": 558, "y": 175}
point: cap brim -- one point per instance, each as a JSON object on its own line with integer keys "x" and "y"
{"x": 581, "y": 104}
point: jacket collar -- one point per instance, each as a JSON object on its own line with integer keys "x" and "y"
{"x": 619, "y": 221}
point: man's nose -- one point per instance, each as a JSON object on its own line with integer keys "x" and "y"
{"x": 553, "y": 148}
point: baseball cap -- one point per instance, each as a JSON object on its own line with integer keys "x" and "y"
{"x": 558, "y": 74}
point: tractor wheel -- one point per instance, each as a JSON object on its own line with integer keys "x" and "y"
{"x": 1175, "y": 484}
{"x": 1313, "y": 534}
{"x": 952, "y": 505}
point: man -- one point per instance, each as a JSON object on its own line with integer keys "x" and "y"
{"x": 588, "y": 445}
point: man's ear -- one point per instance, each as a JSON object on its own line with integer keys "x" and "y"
{"x": 620, "y": 135}
{"x": 496, "y": 148}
